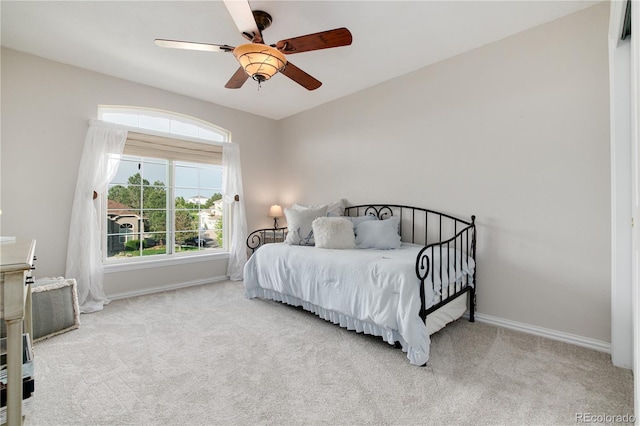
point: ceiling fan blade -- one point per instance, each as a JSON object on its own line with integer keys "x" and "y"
{"x": 237, "y": 79}
{"x": 300, "y": 77}
{"x": 177, "y": 44}
{"x": 322, "y": 40}
{"x": 242, "y": 15}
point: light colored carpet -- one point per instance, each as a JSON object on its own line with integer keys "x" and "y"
{"x": 207, "y": 356}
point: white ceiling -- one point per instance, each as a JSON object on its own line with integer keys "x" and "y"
{"x": 390, "y": 38}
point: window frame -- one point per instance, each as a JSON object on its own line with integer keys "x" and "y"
{"x": 142, "y": 262}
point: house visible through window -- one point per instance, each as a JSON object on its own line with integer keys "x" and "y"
{"x": 166, "y": 196}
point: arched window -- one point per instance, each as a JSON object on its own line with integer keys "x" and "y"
{"x": 170, "y": 179}
{"x": 168, "y": 123}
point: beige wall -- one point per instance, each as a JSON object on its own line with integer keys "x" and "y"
{"x": 517, "y": 133}
{"x": 46, "y": 107}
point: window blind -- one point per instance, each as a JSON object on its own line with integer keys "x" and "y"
{"x": 146, "y": 145}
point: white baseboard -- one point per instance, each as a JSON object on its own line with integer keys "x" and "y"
{"x": 573, "y": 339}
{"x": 176, "y": 286}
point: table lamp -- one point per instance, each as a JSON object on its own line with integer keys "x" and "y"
{"x": 275, "y": 212}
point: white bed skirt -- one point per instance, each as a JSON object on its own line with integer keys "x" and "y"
{"x": 446, "y": 314}
{"x": 435, "y": 321}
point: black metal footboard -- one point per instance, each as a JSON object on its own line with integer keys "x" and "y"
{"x": 443, "y": 236}
{"x": 445, "y": 266}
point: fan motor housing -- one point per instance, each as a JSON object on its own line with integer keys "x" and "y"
{"x": 263, "y": 19}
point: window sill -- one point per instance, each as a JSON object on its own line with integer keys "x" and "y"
{"x": 155, "y": 263}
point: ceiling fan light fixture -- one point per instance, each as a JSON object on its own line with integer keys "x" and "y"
{"x": 259, "y": 61}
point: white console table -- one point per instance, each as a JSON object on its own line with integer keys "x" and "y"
{"x": 16, "y": 262}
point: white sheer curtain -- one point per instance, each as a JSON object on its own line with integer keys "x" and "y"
{"x": 98, "y": 166}
{"x": 232, "y": 187}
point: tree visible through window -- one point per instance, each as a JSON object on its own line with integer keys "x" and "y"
{"x": 166, "y": 198}
{"x": 153, "y": 201}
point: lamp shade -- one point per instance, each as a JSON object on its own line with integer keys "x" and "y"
{"x": 259, "y": 61}
{"x": 275, "y": 211}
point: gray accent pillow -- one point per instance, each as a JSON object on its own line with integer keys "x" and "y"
{"x": 357, "y": 220}
{"x": 378, "y": 234}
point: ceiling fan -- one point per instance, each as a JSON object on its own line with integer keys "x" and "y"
{"x": 259, "y": 60}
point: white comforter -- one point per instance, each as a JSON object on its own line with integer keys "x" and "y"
{"x": 367, "y": 290}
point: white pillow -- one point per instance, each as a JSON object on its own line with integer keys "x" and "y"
{"x": 334, "y": 233}
{"x": 333, "y": 209}
{"x": 337, "y": 207}
{"x": 378, "y": 234}
{"x": 299, "y": 224}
